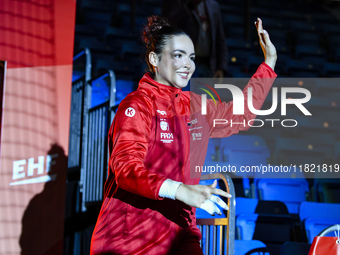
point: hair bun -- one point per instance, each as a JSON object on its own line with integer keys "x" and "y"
{"x": 155, "y": 23}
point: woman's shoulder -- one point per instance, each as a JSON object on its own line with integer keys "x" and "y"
{"x": 138, "y": 99}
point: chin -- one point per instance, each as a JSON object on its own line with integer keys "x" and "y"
{"x": 182, "y": 84}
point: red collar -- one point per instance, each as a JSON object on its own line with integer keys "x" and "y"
{"x": 164, "y": 91}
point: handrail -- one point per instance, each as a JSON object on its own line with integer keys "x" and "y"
{"x": 324, "y": 232}
{"x": 229, "y": 221}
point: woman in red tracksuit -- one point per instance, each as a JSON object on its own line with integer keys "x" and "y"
{"x": 151, "y": 194}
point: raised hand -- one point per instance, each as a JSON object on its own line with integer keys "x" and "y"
{"x": 267, "y": 46}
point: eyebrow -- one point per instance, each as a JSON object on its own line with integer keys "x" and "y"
{"x": 182, "y": 51}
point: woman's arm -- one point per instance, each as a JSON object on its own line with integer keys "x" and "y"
{"x": 267, "y": 46}
{"x": 128, "y": 144}
{"x": 260, "y": 84}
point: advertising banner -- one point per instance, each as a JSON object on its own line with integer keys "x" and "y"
{"x": 37, "y": 44}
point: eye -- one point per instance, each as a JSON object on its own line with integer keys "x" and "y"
{"x": 192, "y": 58}
{"x": 178, "y": 55}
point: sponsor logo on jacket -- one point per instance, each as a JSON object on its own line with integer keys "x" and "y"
{"x": 196, "y": 136}
{"x": 167, "y": 137}
{"x": 130, "y": 112}
{"x": 161, "y": 112}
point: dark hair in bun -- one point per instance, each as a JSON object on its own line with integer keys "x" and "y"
{"x": 156, "y": 34}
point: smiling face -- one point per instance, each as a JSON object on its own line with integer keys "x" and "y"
{"x": 175, "y": 65}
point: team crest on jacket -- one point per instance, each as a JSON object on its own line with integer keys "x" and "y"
{"x": 166, "y": 136}
{"x": 164, "y": 125}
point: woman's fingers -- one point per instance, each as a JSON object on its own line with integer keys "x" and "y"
{"x": 219, "y": 201}
{"x": 260, "y": 31}
{"x": 210, "y": 207}
{"x": 267, "y": 46}
{"x": 215, "y": 199}
{"x": 221, "y": 193}
{"x": 214, "y": 184}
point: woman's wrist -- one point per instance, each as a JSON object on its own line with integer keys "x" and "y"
{"x": 169, "y": 189}
{"x": 271, "y": 61}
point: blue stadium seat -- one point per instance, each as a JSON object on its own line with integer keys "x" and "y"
{"x": 295, "y": 248}
{"x": 97, "y": 19}
{"x": 328, "y": 190}
{"x": 292, "y": 151}
{"x": 132, "y": 51}
{"x": 123, "y": 88}
{"x": 244, "y": 149}
{"x": 318, "y": 131}
{"x": 245, "y": 225}
{"x": 324, "y": 19}
{"x": 331, "y": 27}
{"x": 234, "y": 31}
{"x": 238, "y": 58}
{"x": 303, "y": 51}
{"x": 328, "y": 88}
{"x": 117, "y": 37}
{"x": 245, "y": 205}
{"x": 302, "y": 68}
{"x": 231, "y": 7}
{"x": 256, "y": 206}
{"x": 213, "y": 153}
{"x": 324, "y": 108}
{"x": 337, "y": 151}
{"x": 99, "y": 49}
{"x": 232, "y": 19}
{"x": 290, "y": 191}
{"x": 250, "y": 247}
{"x": 313, "y": 227}
{"x": 303, "y": 26}
{"x": 319, "y": 211}
{"x": 253, "y": 62}
{"x": 270, "y": 223}
{"x": 83, "y": 31}
{"x": 270, "y": 6}
{"x": 123, "y": 69}
{"x": 100, "y": 92}
{"x": 267, "y": 228}
{"x": 334, "y": 38}
{"x": 238, "y": 43}
{"x": 126, "y": 22}
{"x": 234, "y": 70}
{"x": 331, "y": 69}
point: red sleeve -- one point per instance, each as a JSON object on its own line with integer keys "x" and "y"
{"x": 260, "y": 83}
{"x": 128, "y": 144}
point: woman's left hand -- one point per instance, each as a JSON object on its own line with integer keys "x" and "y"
{"x": 267, "y": 46}
{"x": 202, "y": 196}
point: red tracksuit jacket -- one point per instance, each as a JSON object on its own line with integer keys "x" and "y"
{"x": 150, "y": 141}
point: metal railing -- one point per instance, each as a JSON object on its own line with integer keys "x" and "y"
{"x": 96, "y": 151}
{"x": 219, "y": 233}
{"x": 82, "y": 64}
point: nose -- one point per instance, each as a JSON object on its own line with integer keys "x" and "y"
{"x": 187, "y": 63}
